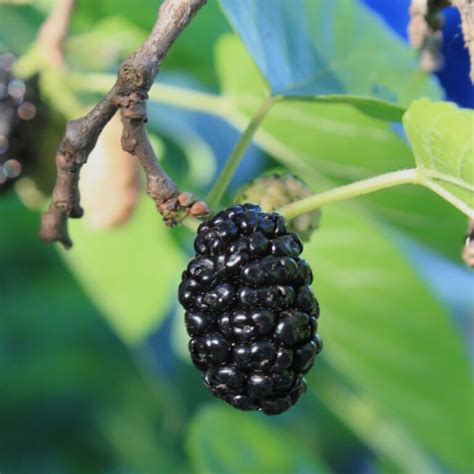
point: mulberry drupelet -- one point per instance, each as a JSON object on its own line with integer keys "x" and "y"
{"x": 250, "y": 311}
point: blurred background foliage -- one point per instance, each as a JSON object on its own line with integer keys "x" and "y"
{"x": 93, "y": 365}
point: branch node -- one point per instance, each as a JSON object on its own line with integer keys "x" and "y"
{"x": 54, "y": 227}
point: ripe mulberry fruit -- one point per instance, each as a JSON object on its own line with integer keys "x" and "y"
{"x": 250, "y": 311}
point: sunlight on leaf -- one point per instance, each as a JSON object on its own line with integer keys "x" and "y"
{"x": 340, "y": 143}
{"x": 129, "y": 272}
{"x": 318, "y": 133}
{"x": 442, "y": 137}
{"x": 375, "y": 108}
{"x": 378, "y": 317}
{"x": 306, "y": 48}
{"x": 111, "y": 39}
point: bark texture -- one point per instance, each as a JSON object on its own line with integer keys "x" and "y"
{"x": 129, "y": 94}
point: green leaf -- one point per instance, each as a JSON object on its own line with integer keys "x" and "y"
{"x": 314, "y": 48}
{"x": 442, "y": 137}
{"x": 41, "y": 302}
{"x": 385, "y": 436}
{"x": 190, "y": 53}
{"x": 375, "y": 108}
{"x": 20, "y": 24}
{"x": 336, "y": 141}
{"x": 316, "y": 134}
{"x": 387, "y": 334}
{"x": 130, "y": 272}
{"x": 247, "y": 81}
{"x": 112, "y": 40}
{"x": 65, "y": 363}
{"x": 188, "y": 159}
{"x": 223, "y": 440}
{"x": 88, "y": 13}
{"x": 318, "y": 140}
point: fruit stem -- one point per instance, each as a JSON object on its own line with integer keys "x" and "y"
{"x": 237, "y": 154}
{"x": 191, "y": 223}
{"x": 341, "y": 193}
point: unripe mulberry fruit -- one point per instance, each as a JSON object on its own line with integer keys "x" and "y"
{"x": 277, "y": 190}
{"x": 250, "y": 310}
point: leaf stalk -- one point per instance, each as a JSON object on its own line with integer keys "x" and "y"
{"x": 224, "y": 179}
{"x": 348, "y": 191}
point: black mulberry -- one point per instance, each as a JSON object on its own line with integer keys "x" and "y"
{"x": 250, "y": 310}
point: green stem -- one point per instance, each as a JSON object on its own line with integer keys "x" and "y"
{"x": 342, "y": 193}
{"x": 235, "y": 157}
{"x": 191, "y": 223}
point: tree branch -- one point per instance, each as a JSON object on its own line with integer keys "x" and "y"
{"x": 130, "y": 92}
